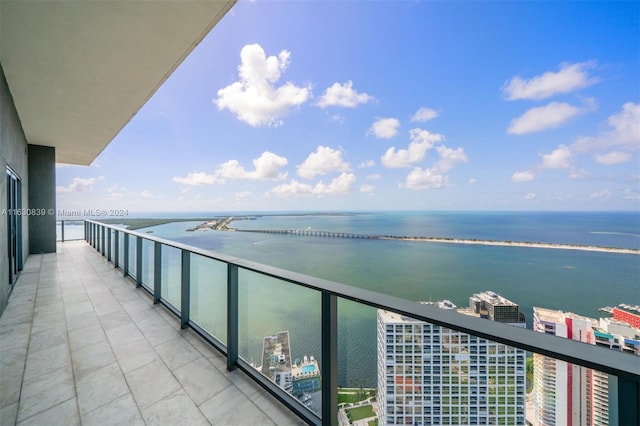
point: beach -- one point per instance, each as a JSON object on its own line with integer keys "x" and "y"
{"x": 515, "y": 244}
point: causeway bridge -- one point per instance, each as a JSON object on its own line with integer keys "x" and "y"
{"x": 309, "y": 233}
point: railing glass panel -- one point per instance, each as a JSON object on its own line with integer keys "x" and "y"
{"x": 73, "y": 230}
{"x": 147, "y": 264}
{"x": 120, "y": 248}
{"x": 132, "y": 255}
{"x": 357, "y": 361}
{"x": 279, "y": 333}
{"x": 113, "y": 243}
{"x": 171, "y": 276}
{"x": 99, "y": 238}
{"x": 208, "y": 297}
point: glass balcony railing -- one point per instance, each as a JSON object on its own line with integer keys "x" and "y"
{"x": 293, "y": 334}
{"x": 69, "y": 230}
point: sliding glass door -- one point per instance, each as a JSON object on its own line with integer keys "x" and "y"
{"x": 14, "y": 225}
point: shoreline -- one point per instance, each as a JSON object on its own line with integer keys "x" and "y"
{"x": 222, "y": 223}
{"x": 514, "y": 244}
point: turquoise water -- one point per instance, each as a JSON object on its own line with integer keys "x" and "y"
{"x": 576, "y": 281}
{"x": 308, "y": 369}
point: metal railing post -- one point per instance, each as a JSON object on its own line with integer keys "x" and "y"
{"x": 109, "y": 245}
{"x": 116, "y": 248}
{"x": 232, "y": 316}
{"x": 157, "y": 272}
{"x": 102, "y": 238}
{"x": 138, "y": 261}
{"x": 125, "y": 266}
{"x": 62, "y": 230}
{"x": 185, "y": 288}
{"x": 329, "y": 352}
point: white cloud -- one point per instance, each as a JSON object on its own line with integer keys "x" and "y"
{"x": 424, "y": 114}
{"x": 146, "y": 194}
{"x": 366, "y": 188}
{"x": 626, "y": 124}
{"x": 435, "y": 177}
{"x": 324, "y": 160}
{"x": 79, "y": 184}
{"x": 242, "y": 195}
{"x": 255, "y": 99}
{"x": 570, "y": 78}
{"x": 197, "y": 178}
{"x": 598, "y": 195}
{"x": 624, "y": 132}
{"x": 449, "y": 157}
{"x": 338, "y": 118}
{"x": 542, "y": 118}
{"x": 340, "y": 185}
{"x": 530, "y": 196}
{"x": 267, "y": 167}
{"x": 578, "y": 173}
{"x": 293, "y": 188}
{"x": 366, "y": 164}
{"x": 374, "y": 176}
{"x": 525, "y": 176}
{"x": 421, "y": 141}
{"x": 385, "y": 128}
{"x": 631, "y": 194}
{"x": 472, "y": 181}
{"x": 114, "y": 187}
{"x": 343, "y": 95}
{"x": 114, "y": 196}
{"x": 559, "y": 158}
{"x": 613, "y": 157}
{"x": 425, "y": 179}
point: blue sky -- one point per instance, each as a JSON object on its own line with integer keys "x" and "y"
{"x": 387, "y": 106}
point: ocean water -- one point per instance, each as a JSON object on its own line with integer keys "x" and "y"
{"x": 574, "y": 281}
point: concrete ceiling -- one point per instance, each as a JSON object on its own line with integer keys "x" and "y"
{"x": 78, "y": 71}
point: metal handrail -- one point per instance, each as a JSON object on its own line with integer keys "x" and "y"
{"x": 626, "y": 367}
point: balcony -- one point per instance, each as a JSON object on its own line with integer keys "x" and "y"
{"x": 79, "y": 345}
{"x": 125, "y": 324}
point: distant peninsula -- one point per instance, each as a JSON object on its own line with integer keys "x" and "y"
{"x": 515, "y": 244}
{"x": 222, "y": 224}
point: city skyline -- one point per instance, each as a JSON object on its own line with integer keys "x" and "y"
{"x": 466, "y": 106}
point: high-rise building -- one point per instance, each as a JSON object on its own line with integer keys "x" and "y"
{"x": 560, "y": 388}
{"x": 492, "y": 306}
{"x": 276, "y": 360}
{"x": 429, "y": 374}
{"x": 567, "y": 394}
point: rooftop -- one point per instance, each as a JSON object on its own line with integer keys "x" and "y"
{"x": 493, "y": 299}
{"x": 80, "y": 345}
{"x": 549, "y": 315}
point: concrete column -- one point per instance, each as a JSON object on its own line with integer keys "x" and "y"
{"x": 42, "y": 195}
{"x": 13, "y": 154}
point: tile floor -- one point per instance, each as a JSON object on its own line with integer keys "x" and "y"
{"x": 80, "y": 345}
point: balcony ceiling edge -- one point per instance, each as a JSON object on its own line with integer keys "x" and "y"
{"x": 79, "y": 71}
